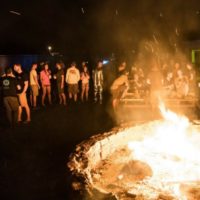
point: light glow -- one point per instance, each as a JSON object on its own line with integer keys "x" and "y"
{"x": 172, "y": 153}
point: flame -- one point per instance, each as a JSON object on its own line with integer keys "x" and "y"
{"x": 172, "y": 153}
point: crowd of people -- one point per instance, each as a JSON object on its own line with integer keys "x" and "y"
{"x": 167, "y": 81}
{"x": 159, "y": 81}
{"x": 172, "y": 81}
{"x": 15, "y": 83}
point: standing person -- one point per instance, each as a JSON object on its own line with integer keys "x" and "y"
{"x": 191, "y": 75}
{"x": 137, "y": 86}
{"x": 98, "y": 82}
{"x": 34, "y": 86}
{"x": 181, "y": 84}
{"x": 85, "y": 77}
{"x": 177, "y": 67}
{"x": 60, "y": 83}
{"x": 72, "y": 79}
{"x": 45, "y": 76}
{"x": 9, "y": 88}
{"x": 169, "y": 87}
{"x": 22, "y": 79}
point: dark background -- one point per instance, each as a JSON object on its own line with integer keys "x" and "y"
{"x": 93, "y": 28}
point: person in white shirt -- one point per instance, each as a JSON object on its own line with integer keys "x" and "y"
{"x": 98, "y": 83}
{"x": 34, "y": 85}
{"x": 72, "y": 78}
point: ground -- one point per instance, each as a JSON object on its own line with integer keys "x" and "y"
{"x": 33, "y": 157}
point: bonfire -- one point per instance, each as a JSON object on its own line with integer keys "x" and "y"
{"x": 152, "y": 161}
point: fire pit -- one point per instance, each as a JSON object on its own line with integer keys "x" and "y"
{"x": 151, "y": 161}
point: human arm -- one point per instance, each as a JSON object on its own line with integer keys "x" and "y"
{"x": 82, "y": 75}
{"x": 41, "y": 77}
{"x": 102, "y": 78}
{"x": 25, "y": 86}
{"x": 25, "y": 83}
{"x": 88, "y": 76}
{"x": 78, "y": 75}
{"x": 126, "y": 83}
{"x": 67, "y": 74}
{"x": 62, "y": 81}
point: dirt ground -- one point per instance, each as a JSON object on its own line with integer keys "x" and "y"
{"x": 33, "y": 157}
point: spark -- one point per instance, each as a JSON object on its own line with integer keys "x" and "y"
{"x": 148, "y": 44}
{"x": 155, "y": 39}
{"x": 177, "y": 32}
{"x": 15, "y": 13}
{"x": 82, "y": 10}
{"x": 116, "y": 12}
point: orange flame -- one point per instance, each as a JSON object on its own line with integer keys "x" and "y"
{"x": 172, "y": 153}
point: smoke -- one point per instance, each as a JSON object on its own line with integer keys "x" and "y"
{"x": 120, "y": 26}
{"x": 143, "y": 32}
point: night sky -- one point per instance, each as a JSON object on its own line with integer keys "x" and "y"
{"x": 92, "y": 27}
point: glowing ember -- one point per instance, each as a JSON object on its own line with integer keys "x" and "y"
{"x": 173, "y": 155}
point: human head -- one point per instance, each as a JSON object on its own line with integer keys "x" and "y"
{"x": 46, "y": 66}
{"x": 180, "y": 73}
{"x": 189, "y": 66}
{"x": 122, "y": 66}
{"x": 17, "y": 68}
{"x": 99, "y": 65}
{"x": 73, "y": 64}
{"x": 8, "y": 71}
{"x": 83, "y": 63}
{"x": 58, "y": 65}
{"x": 85, "y": 69}
{"x": 34, "y": 66}
{"x": 134, "y": 68}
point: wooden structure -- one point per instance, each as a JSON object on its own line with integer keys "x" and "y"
{"x": 130, "y": 101}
